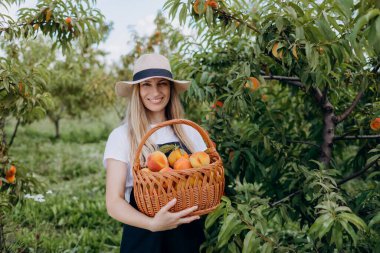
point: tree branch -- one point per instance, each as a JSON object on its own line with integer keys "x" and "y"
{"x": 304, "y": 142}
{"x": 358, "y": 173}
{"x": 31, "y": 22}
{"x": 230, "y": 16}
{"x": 290, "y": 80}
{"x": 357, "y": 137}
{"x": 250, "y": 226}
{"x": 349, "y": 110}
{"x": 295, "y": 81}
{"x": 346, "y": 179}
{"x": 14, "y": 133}
{"x": 285, "y": 198}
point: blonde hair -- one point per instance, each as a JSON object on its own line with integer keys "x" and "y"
{"x": 138, "y": 123}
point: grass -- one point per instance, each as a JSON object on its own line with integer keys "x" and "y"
{"x": 73, "y": 217}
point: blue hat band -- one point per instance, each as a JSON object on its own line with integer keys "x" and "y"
{"x": 152, "y": 72}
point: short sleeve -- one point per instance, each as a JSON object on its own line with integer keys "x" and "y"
{"x": 117, "y": 146}
{"x": 196, "y": 138}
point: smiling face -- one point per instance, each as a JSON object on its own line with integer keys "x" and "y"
{"x": 155, "y": 95}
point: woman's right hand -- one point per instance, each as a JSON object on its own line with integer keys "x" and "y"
{"x": 165, "y": 220}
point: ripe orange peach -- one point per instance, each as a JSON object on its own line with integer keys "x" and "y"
{"x": 217, "y": 104}
{"x": 175, "y": 155}
{"x": 199, "y": 159}
{"x": 277, "y": 54}
{"x": 157, "y": 161}
{"x": 182, "y": 164}
{"x": 294, "y": 52}
{"x": 212, "y": 3}
{"x": 252, "y": 84}
{"x": 11, "y": 179}
{"x": 166, "y": 169}
{"x": 375, "y": 124}
{"x": 68, "y": 20}
{"x": 11, "y": 171}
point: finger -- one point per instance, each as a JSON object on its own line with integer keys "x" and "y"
{"x": 169, "y": 205}
{"x": 188, "y": 219}
{"x": 187, "y": 211}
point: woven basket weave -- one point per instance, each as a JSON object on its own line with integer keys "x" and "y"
{"x": 202, "y": 186}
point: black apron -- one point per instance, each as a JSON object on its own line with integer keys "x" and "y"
{"x": 186, "y": 238}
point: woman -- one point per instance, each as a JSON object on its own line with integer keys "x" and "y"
{"x": 152, "y": 98}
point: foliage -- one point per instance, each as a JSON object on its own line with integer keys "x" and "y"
{"x": 299, "y": 137}
{"x": 24, "y": 75}
{"x": 73, "y": 216}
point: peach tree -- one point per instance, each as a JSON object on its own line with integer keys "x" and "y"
{"x": 291, "y": 91}
{"x": 23, "y": 92}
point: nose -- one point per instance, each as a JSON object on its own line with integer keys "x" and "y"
{"x": 155, "y": 89}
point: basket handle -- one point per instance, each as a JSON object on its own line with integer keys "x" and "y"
{"x": 202, "y": 132}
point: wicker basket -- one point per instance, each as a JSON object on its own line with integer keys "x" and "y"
{"x": 202, "y": 186}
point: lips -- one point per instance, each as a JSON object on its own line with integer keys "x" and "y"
{"x": 156, "y": 100}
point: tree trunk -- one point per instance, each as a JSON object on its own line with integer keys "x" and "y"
{"x": 3, "y": 152}
{"x": 328, "y": 133}
{"x": 3, "y": 143}
{"x": 14, "y": 133}
{"x": 56, "y": 124}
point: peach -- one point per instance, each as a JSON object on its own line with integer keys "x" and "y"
{"x": 375, "y": 124}
{"x": 182, "y": 164}
{"x": 157, "y": 161}
{"x": 10, "y": 179}
{"x": 252, "y": 84}
{"x": 275, "y": 52}
{"x": 175, "y": 155}
{"x": 217, "y": 104}
{"x": 166, "y": 169}
{"x": 11, "y": 171}
{"x": 199, "y": 159}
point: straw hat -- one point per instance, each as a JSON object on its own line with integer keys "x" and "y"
{"x": 149, "y": 66}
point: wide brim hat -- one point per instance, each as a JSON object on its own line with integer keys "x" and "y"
{"x": 150, "y": 66}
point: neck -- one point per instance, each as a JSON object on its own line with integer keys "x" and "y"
{"x": 156, "y": 117}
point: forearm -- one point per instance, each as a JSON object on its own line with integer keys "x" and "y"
{"x": 122, "y": 211}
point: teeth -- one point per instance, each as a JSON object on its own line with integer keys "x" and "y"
{"x": 156, "y": 100}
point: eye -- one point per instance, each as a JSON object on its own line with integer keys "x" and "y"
{"x": 145, "y": 84}
{"x": 163, "y": 83}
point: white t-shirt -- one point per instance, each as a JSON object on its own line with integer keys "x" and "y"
{"x": 117, "y": 147}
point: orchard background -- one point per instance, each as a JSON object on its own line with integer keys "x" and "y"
{"x": 288, "y": 90}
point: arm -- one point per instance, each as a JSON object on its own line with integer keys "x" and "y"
{"x": 122, "y": 211}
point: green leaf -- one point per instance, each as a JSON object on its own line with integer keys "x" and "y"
{"x": 183, "y": 14}
{"x": 213, "y": 216}
{"x": 349, "y": 230}
{"x": 345, "y": 6}
{"x": 317, "y": 225}
{"x": 372, "y": 159}
{"x": 325, "y": 228}
{"x": 325, "y": 29}
{"x": 354, "y": 219}
{"x": 336, "y": 236}
{"x": 374, "y": 220}
{"x": 266, "y": 248}
{"x": 362, "y": 21}
{"x": 231, "y": 225}
{"x": 249, "y": 242}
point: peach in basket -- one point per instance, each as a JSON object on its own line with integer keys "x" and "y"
{"x": 200, "y": 182}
